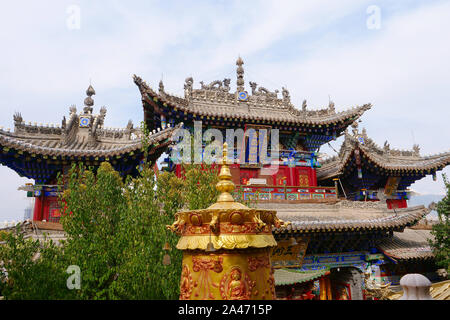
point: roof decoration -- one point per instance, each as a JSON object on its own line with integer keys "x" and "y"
{"x": 291, "y": 276}
{"x": 240, "y": 75}
{"x": 216, "y": 100}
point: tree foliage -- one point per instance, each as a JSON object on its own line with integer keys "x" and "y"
{"x": 441, "y": 230}
{"x": 30, "y": 269}
{"x": 115, "y": 232}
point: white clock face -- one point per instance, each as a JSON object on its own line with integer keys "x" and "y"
{"x": 84, "y": 122}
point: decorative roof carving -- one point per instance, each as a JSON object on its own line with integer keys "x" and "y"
{"x": 286, "y": 95}
{"x": 240, "y": 74}
{"x": 89, "y": 102}
{"x": 188, "y": 85}
{"x": 17, "y": 118}
{"x": 215, "y": 99}
{"x": 217, "y": 85}
{"x": 161, "y": 87}
{"x": 331, "y": 106}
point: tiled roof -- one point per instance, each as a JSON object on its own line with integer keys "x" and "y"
{"x": 343, "y": 216}
{"x": 407, "y": 245}
{"x": 386, "y": 158}
{"x": 292, "y": 276}
{"x": 260, "y": 106}
{"x": 82, "y": 134}
{"x": 54, "y": 145}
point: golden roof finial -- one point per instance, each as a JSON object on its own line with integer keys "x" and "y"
{"x": 225, "y": 185}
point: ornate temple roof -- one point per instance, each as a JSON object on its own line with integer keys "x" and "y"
{"x": 216, "y": 100}
{"x": 407, "y": 245}
{"x": 344, "y": 216}
{"x": 385, "y": 158}
{"x": 81, "y": 135}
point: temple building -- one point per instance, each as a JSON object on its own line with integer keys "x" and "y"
{"x": 40, "y": 152}
{"x": 301, "y": 132}
{"x": 345, "y": 212}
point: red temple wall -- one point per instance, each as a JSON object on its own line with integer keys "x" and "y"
{"x": 294, "y": 176}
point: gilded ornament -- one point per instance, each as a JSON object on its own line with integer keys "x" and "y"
{"x": 226, "y": 247}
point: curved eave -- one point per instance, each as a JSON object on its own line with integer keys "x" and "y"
{"x": 434, "y": 162}
{"x": 425, "y": 165}
{"x": 412, "y": 256}
{"x": 9, "y": 142}
{"x": 395, "y": 221}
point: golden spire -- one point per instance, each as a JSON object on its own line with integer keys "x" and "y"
{"x": 225, "y": 185}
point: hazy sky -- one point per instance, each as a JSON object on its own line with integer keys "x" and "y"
{"x": 315, "y": 48}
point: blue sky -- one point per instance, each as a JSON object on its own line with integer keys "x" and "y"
{"x": 315, "y": 48}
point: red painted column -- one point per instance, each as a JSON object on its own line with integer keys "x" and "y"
{"x": 313, "y": 177}
{"x": 291, "y": 177}
{"x": 46, "y": 208}
{"x": 37, "y": 209}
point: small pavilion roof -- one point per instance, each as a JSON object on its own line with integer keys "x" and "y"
{"x": 82, "y": 135}
{"x": 386, "y": 158}
{"x": 343, "y": 216}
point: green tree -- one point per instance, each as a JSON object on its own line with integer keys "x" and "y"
{"x": 441, "y": 230}
{"x": 116, "y": 232}
{"x": 30, "y": 269}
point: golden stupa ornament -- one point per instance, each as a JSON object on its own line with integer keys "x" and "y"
{"x": 226, "y": 248}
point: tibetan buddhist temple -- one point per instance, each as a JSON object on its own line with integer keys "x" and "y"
{"x": 350, "y": 223}
{"x": 40, "y": 152}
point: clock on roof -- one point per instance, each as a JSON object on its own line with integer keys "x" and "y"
{"x": 243, "y": 96}
{"x": 84, "y": 122}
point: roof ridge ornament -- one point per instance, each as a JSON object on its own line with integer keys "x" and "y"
{"x": 286, "y": 95}
{"x": 355, "y": 130}
{"x": 188, "y": 85}
{"x": 416, "y": 150}
{"x": 304, "y": 105}
{"x": 88, "y": 101}
{"x": 17, "y": 118}
{"x": 331, "y": 106}
{"x": 217, "y": 85}
{"x": 240, "y": 74}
